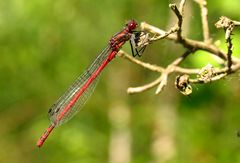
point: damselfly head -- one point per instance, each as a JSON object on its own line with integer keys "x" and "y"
{"x": 132, "y": 24}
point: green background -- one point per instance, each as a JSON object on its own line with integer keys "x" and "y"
{"x": 46, "y": 44}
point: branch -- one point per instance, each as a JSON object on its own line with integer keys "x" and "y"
{"x": 188, "y": 43}
{"x": 204, "y": 16}
{"x": 132, "y": 90}
{"x": 202, "y": 75}
{"x": 149, "y": 66}
{"x": 228, "y": 25}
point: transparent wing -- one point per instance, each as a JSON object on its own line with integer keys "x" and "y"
{"x": 65, "y": 99}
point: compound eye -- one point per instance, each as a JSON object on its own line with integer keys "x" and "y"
{"x": 132, "y": 25}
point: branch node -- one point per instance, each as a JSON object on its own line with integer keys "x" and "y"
{"x": 162, "y": 84}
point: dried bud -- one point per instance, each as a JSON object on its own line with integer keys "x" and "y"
{"x": 224, "y": 23}
{"x": 182, "y": 84}
{"x": 227, "y": 24}
{"x": 206, "y": 73}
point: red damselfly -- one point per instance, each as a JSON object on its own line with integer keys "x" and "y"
{"x": 78, "y": 93}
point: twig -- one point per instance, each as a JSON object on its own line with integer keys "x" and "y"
{"x": 180, "y": 19}
{"x": 204, "y": 16}
{"x": 181, "y": 6}
{"x": 156, "y": 68}
{"x": 218, "y": 77}
{"x": 229, "y": 53}
{"x": 186, "y": 70}
{"x": 163, "y": 82}
{"x": 228, "y": 25}
{"x": 202, "y": 75}
{"x": 177, "y": 28}
{"x": 149, "y": 66}
{"x": 217, "y": 74}
{"x": 132, "y": 90}
{"x": 188, "y": 43}
{"x": 179, "y": 14}
{"x": 170, "y": 68}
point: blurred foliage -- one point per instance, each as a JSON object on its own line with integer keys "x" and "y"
{"x": 46, "y": 44}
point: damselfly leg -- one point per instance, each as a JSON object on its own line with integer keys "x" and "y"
{"x": 138, "y": 41}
